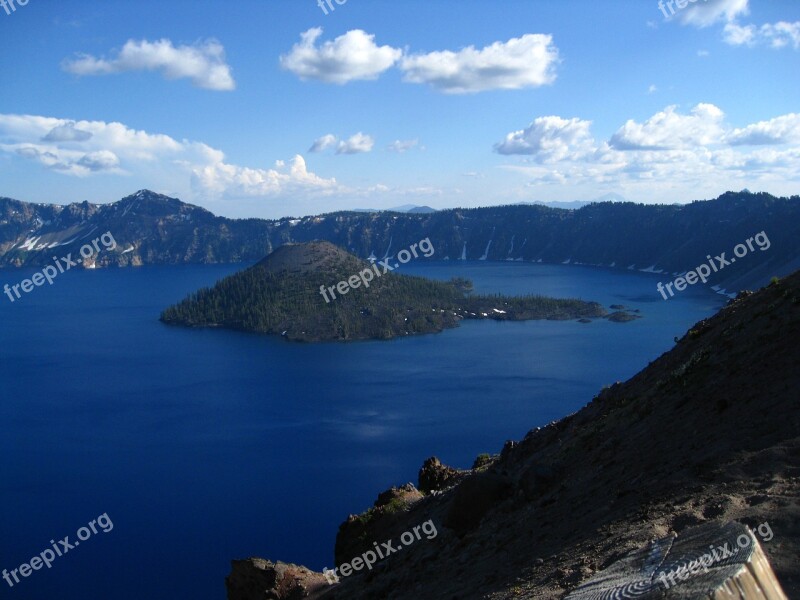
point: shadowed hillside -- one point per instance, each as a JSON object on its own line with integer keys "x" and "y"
{"x": 708, "y": 432}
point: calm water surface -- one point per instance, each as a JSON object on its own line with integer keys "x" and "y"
{"x": 203, "y": 446}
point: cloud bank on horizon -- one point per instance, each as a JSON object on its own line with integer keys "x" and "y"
{"x": 502, "y": 120}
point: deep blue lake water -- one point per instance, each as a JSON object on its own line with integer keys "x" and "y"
{"x": 203, "y": 446}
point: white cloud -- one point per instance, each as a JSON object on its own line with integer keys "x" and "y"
{"x": 739, "y": 35}
{"x": 776, "y": 35}
{"x": 67, "y": 133}
{"x": 220, "y": 179}
{"x": 350, "y": 57}
{"x": 203, "y": 63}
{"x": 709, "y": 12}
{"x": 550, "y": 139}
{"x": 782, "y": 34}
{"x": 669, "y": 129}
{"x": 356, "y": 144}
{"x": 706, "y": 13}
{"x": 323, "y": 143}
{"x": 71, "y": 163}
{"x": 780, "y": 130}
{"x": 528, "y": 61}
{"x": 77, "y": 148}
{"x": 103, "y": 160}
{"x": 669, "y": 157}
{"x": 652, "y": 89}
{"x": 115, "y": 148}
{"x": 401, "y": 146}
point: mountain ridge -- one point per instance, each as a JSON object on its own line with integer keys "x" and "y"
{"x": 155, "y": 229}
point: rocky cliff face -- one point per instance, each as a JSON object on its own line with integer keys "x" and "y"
{"x": 708, "y": 432}
{"x": 149, "y": 229}
{"x": 156, "y": 229}
{"x": 257, "y": 578}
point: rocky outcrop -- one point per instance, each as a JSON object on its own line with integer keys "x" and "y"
{"x": 435, "y": 477}
{"x": 259, "y": 579}
{"x": 385, "y": 520}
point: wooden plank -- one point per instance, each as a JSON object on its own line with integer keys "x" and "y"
{"x": 713, "y": 561}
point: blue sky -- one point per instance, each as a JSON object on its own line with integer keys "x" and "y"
{"x": 272, "y": 108}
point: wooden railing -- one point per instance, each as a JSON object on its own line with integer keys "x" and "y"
{"x": 713, "y": 561}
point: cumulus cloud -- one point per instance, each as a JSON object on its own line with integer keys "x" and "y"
{"x": 356, "y": 144}
{"x": 740, "y": 35}
{"x": 203, "y": 63}
{"x": 71, "y": 164}
{"x": 103, "y": 160}
{"x": 550, "y": 139}
{"x": 80, "y": 148}
{"x": 323, "y": 143}
{"x": 401, "y": 146}
{"x": 709, "y": 12}
{"x": 66, "y": 133}
{"x": 780, "y": 130}
{"x": 118, "y": 149}
{"x": 776, "y": 35}
{"x": 670, "y": 129}
{"x": 350, "y": 57}
{"x": 528, "y": 61}
{"x": 44, "y": 157}
{"x": 695, "y": 153}
{"x": 220, "y": 179}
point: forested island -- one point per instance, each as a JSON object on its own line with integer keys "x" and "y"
{"x": 282, "y": 294}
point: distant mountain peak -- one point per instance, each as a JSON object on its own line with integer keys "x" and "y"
{"x": 576, "y": 204}
{"x": 145, "y": 193}
{"x": 159, "y": 204}
{"x": 405, "y": 208}
{"x": 611, "y": 197}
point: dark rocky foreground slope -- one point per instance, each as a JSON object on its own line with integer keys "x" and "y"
{"x": 154, "y": 229}
{"x": 708, "y": 432}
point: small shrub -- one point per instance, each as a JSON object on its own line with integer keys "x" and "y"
{"x": 482, "y": 460}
